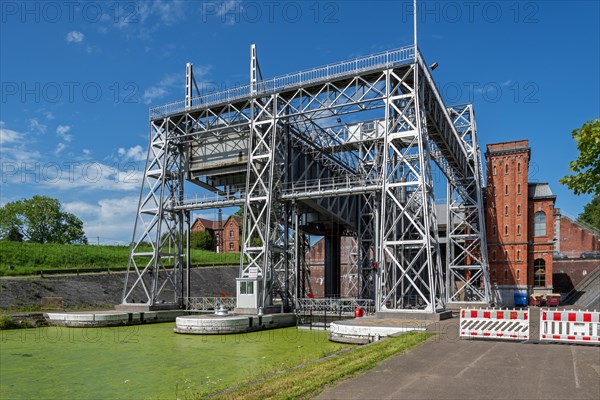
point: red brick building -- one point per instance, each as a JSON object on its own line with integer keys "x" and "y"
{"x": 519, "y": 224}
{"x": 230, "y": 232}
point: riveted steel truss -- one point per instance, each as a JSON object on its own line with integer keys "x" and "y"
{"x": 349, "y": 146}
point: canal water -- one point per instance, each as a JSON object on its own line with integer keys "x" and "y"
{"x": 145, "y": 361}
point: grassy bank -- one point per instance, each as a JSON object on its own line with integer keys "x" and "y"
{"x": 311, "y": 379}
{"x": 30, "y": 258}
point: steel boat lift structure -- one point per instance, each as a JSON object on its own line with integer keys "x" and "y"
{"x": 278, "y": 148}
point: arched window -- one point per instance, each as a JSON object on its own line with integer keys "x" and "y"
{"x": 505, "y": 210}
{"x": 494, "y": 170}
{"x": 506, "y": 169}
{"x": 505, "y": 255}
{"x": 518, "y": 274}
{"x": 539, "y": 273}
{"x": 494, "y": 230}
{"x": 519, "y": 168}
{"x": 518, "y": 188}
{"x": 494, "y": 255}
{"x": 518, "y": 209}
{"x": 518, "y": 254}
{"x": 506, "y": 189}
{"x": 539, "y": 224}
{"x": 505, "y": 230}
{"x": 519, "y": 230}
{"x": 505, "y": 274}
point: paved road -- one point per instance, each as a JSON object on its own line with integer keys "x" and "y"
{"x": 446, "y": 368}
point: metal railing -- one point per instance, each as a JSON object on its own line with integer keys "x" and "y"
{"x": 297, "y": 79}
{"x": 336, "y": 185}
{"x": 208, "y": 201}
{"x": 209, "y": 303}
{"x": 333, "y": 306}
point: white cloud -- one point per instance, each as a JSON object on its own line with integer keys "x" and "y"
{"x": 162, "y": 88}
{"x": 75, "y": 37}
{"x": 61, "y": 132}
{"x": 36, "y": 126}
{"x": 94, "y": 176}
{"x": 135, "y": 153}
{"x": 8, "y": 135}
{"x": 111, "y": 219}
{"x": 49, "y": 115}
{"x": 86, "y": 152}
{"x": 59, "y": 148}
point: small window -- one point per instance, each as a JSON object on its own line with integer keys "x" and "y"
{"x": 518, "y": 209}
{"x": 506, "y": 169}
{"x": 246, "y": 287}
{"x": 505, "y": 274}
{"x": 231, "y": 233}
{"x": 539, "y": 224}
{"x": 539, "y": 273}
{"x": 518, "y": 188}
{"x": 519, "y": 230}
{"x": 518, "y": 274}
{"x": 506, "y": 190}
{"x": 506, "y": 210}
{"x": 505, "y": 230}
{"x": 519, "y": 255}
{"x": 231, "y": 246}
{"x": 494, "y": 256}
{"x": 494, "y": 274}
{"x": 494, "y": 170}
{"x": 494, "y": 190}
{"x": 505, "y": 255}
{"x": 518, "y": 168}
{"x": 494, "y": 230}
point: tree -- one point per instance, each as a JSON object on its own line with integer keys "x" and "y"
{"x": 591, "y": 213}
{"x": 40, "y": 220}
{"x": 201, "y": 240}
{"x": 586, "y": 168}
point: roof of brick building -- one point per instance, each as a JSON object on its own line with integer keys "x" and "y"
{"x": 539, "y": 190}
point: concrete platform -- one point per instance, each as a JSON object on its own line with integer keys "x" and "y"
{"x": 369, "y": 329}
{"x": 211, "y": 324}
{"x": 110, "y": 318}
{"x": 415, "y": 315}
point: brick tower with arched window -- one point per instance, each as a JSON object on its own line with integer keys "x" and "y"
{"x": 519, "y": 224}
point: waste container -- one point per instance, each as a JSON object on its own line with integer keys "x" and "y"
{"x": 553, "y": 300}
{"x": 520, "y": 299}
{"x": 359, "y": 312}
{"x": 535, "y": 300}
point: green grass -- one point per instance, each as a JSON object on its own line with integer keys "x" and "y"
{"x": 29, "y": 258}
{"x": 145, "y": 361}
{"x": 309, "y": 380}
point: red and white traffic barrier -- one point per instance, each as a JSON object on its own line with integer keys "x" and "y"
{"x": 495, "y": 324}
{"x": 570, "y": 326}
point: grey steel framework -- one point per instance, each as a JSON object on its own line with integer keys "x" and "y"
{"x": 344, "y": 149}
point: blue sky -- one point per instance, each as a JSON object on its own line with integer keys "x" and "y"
{"x": 78, "y": 79}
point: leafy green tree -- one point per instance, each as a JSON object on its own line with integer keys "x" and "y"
{"x": 591, "y": 213}
{"x": 586, "y": 168}
{"x": 201, "y": 240}
{"x": 40, "y": 220}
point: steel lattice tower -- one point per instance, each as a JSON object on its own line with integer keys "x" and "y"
{"x": 280, "y": 149}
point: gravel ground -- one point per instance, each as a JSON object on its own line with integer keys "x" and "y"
{"x": 100, "y": 290}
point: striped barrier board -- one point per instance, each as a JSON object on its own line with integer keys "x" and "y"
{"x": 494, "y": 324}
{"x": 570, "y": 326}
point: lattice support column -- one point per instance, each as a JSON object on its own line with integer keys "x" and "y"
{"x": 467, "y": 275}
{"x": 156, "y": 260}
{"x": 411, "y": 277}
